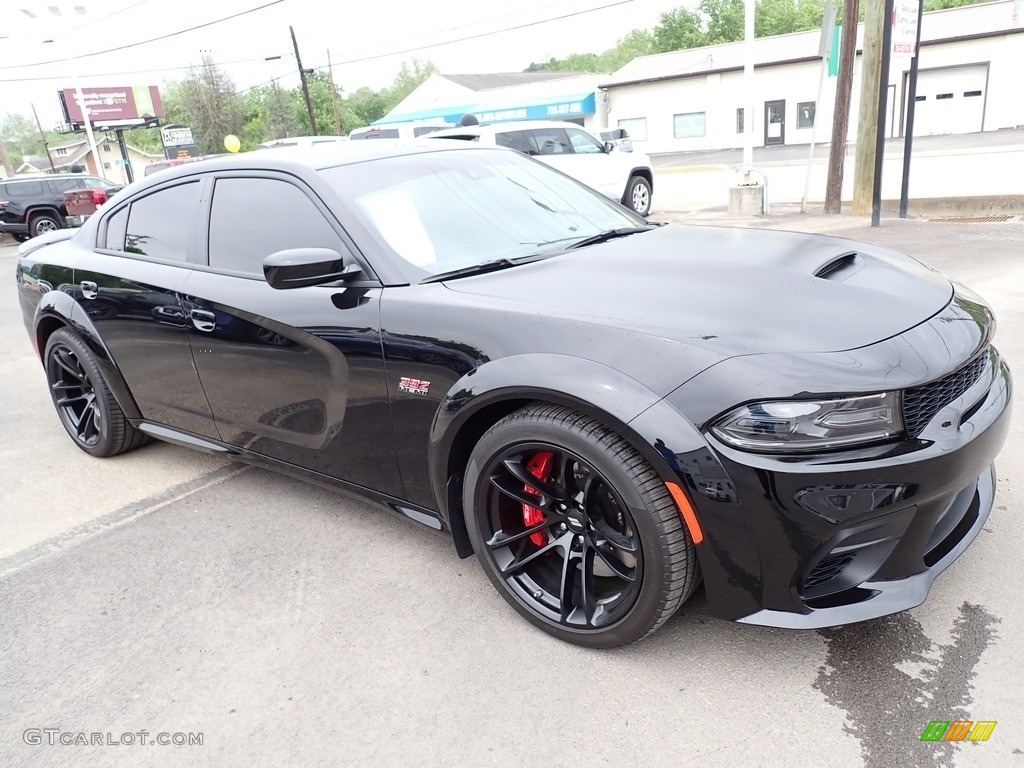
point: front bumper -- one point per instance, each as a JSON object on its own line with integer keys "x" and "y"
{"x": 804, "y": 542}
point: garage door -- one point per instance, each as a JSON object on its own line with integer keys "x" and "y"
{"x": 950, "y": 100}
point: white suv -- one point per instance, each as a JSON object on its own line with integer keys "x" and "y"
{"x": 623, "y": 176}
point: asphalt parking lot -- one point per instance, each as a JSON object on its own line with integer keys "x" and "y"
{"x": 169, "y": 592}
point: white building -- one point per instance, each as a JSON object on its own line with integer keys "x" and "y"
{"x": 77, "y": 153}
{"x": 971, "y": 64}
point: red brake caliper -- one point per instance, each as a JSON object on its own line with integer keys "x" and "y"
{"x": 539, "y": 466}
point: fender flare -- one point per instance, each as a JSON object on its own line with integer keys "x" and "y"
{"x": 58, "y": 309}
{"x": 492, "y": 390}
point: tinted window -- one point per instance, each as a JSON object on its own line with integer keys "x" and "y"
{"x": 27, "y": 189}
{"x": 159, "y": 224}
{"x": 295, "y": 222}
{"x": 116, "y": 226}
{"x": 550, "y": 141}
{"x": 63, "y": 185}
{"x": 583, "y": 143}
{"x": 515, "y": 140}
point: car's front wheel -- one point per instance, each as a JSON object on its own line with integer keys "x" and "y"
{"x": 575, "y": 529}
{"x": 84, "y": 403}
{"x": 638, "y": 195}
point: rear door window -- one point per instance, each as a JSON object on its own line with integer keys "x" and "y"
{"x": 516, "y": 140}
{"x": 550, "y": 141}
{"x": 159, "y": 225}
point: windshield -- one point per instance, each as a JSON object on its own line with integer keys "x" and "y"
{"x": 440, "y": 211}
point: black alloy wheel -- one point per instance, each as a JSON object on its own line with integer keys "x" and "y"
{"x": 575, "y": 528}
{"x": 84, "y": 403}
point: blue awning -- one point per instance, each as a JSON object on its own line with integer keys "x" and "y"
{"x": 547, "y": 108}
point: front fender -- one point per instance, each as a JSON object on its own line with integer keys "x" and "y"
{"x": 486, "y": 394}
{"x": 58, "y": 309}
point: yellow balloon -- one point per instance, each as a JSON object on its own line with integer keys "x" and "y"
{"x": 231, "y": 143}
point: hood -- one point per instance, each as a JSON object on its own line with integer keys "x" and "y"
{"x": 733, "y": 291}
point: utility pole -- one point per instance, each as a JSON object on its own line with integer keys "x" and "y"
{"x": 868, "y": 117}
{"x": 334, "y": 96}
{"x": 883, "y": 98}
{"x": 42, "y": 134}
{"x": 8, "y": 169}
{"x": 908, "y": 139}
{"x": 305, "y": 87}
{"x": 841, "y": 111}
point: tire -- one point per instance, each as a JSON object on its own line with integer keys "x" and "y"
{"x": 43, "y": 223}
{"x": 638, "y": 195}
{"x": 19, "y": 237}
{"x": 84, "y": 403}
{"x": 600, "y": 558}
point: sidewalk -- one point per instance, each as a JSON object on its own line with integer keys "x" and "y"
{"x": 788, "y": 216}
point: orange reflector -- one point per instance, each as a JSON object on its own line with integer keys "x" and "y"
{"x": 686, "y": 510}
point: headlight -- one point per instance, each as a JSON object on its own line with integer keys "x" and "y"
{"x": 811, "y": 425}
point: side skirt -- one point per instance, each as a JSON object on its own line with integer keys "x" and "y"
{"x": 426, "y": 517}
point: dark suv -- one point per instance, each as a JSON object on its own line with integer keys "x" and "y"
{"x": 34, "y": 206}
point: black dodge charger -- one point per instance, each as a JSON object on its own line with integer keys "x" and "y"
{"x": 604, "y": 410}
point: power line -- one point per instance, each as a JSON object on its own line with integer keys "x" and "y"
{"x": 482, "y": 34}
{"x": 456, "y": 40}
{"x": 151, "y": 40}
{"x": 134, "y": 71}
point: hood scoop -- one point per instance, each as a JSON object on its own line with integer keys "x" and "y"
{"x": 840, "y": 267}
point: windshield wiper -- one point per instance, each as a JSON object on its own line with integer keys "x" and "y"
{"x": 483, "y": 267}
{"x": 610, "y": 234}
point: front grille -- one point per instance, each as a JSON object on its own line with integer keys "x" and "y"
{"x": 827, "y": 569}
{"x": 920, "y": 404}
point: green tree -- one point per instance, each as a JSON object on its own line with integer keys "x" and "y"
{"x": 938, "y": 5}
{"x": 207, "y": 102}
{"x": 574, "y": 62}
{"x": 410, "y": 77}
{"x": 723, "y": 21}
{"x": 679, "y": 29}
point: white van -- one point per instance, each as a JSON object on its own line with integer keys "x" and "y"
{"x": 401, "y": 131}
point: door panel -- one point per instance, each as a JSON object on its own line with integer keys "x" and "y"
{"x": 136, "y": 308}
{"x": 297, "y": 375}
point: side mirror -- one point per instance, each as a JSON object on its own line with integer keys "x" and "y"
{"x": 299, "y": 267}
{"x": 608, "y": 146}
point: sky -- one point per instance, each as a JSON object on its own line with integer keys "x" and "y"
{"x": 367, "y": 41}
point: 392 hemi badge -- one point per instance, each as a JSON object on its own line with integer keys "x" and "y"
{"x": 413, "y": 386}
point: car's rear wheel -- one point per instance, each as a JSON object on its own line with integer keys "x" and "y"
{"x": 84, "y": 403}
{"x": 575, "y": 529}
{"x": 638, "y": 195}
{"x": 43, "y": 223}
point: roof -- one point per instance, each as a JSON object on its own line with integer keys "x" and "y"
{"x": 312, "y": 158}
{"x": 561, "y": 95}
{"x": 937, "y": 26}
{"x": 486, "y": 82}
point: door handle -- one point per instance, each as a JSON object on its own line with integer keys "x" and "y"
{"x": 203, "y": 320}
{"x": 89, "y": 289}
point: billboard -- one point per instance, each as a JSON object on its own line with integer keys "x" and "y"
{"x": 126, "y": 105}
